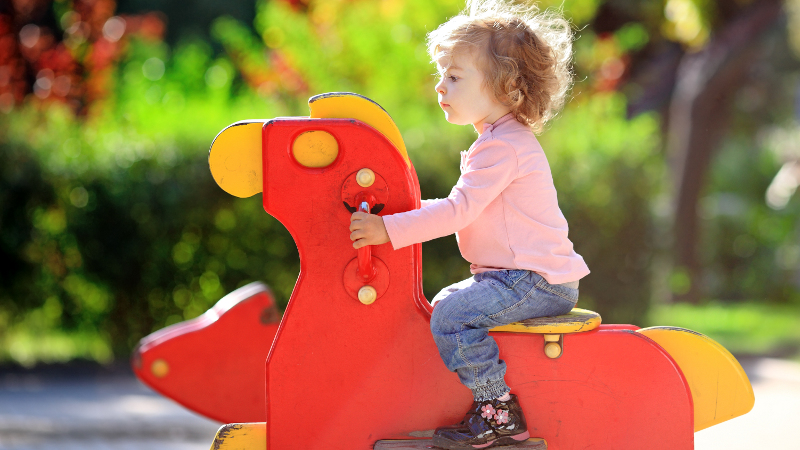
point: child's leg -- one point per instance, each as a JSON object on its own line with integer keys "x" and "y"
{"x": 444, "y": 293}
{"x": 460, "y": 323}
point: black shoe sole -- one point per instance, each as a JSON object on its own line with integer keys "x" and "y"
{"x": 441, "y": 442}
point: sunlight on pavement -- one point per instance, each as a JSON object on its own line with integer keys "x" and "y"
{"x": 772, "y": 423}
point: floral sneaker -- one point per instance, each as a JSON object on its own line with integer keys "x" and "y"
{"x": 486, "y": 424}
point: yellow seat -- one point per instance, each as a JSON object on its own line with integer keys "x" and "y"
{"x": 554, "y": 328}
{"x": 576, "y": 321}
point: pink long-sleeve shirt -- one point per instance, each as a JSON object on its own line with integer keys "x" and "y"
{"x": 503, "y": 210}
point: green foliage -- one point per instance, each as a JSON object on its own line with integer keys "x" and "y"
{"x": 752, "y": 327}
{"x": 119, "y": 255}
{"x": 750, "y": 250}
{"x": 607, "y": 169}
{"x": 632, "y": 36}
{"x": 112, "y": 226}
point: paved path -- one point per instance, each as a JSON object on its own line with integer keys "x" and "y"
{"x": 87, "y": 410}
{"x": 774, "y": 421}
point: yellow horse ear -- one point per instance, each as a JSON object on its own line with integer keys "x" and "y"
{"x": 235, "y": 158}
{"x": 347, "y": 105}
{"x": 235, "y": 155}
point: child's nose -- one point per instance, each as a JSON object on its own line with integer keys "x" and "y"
{"x": 439, "y": 87}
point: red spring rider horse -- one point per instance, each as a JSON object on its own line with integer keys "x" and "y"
{"x": 352, "y": 364}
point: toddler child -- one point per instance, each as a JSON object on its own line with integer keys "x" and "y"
{"x": 504, "y": 70}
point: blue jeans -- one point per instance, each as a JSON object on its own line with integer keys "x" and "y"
{"x": 464, "y": 312}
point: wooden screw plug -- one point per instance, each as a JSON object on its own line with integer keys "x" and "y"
{"x": 367, "y": 295}
{"x": 552, "y": 348}
{"x": 365, "y": 177}
{"x": 159, "y": 368}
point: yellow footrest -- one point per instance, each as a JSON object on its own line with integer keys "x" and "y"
{"x": 241, "y": 436}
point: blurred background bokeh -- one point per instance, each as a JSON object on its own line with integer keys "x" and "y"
{"x": 676, "y": 159}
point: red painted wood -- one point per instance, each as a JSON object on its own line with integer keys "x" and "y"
{"x": 609, "y": 389}
{"x": 216, "y": 361}
{"x": 342, "y": 375}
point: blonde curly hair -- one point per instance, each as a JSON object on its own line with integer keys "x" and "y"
{"x": 525, "y": 55}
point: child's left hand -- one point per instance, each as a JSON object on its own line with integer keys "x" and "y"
{"x": 367, "y": 229}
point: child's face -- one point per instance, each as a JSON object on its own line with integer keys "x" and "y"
{"x": 462, "y": 94}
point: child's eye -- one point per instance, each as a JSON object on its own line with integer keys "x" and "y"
{"x": 452, "y": 78}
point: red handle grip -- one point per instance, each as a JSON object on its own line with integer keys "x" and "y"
{"x": 366, "y": 269}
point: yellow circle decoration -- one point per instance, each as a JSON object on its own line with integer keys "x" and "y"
{"x": 159, "y": 368}
{"x": 315, "y": 149}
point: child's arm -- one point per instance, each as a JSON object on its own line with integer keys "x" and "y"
{"x": 490, "y": 169}
{"x": 367, "y": 229}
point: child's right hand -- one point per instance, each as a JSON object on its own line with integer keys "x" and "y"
{"x": 367, "y": 229}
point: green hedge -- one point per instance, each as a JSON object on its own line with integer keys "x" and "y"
{"x": 112, "y": 227}
{"x": 98, "y": 254}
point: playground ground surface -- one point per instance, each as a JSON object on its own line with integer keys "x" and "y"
{"x": 91, "y": 408}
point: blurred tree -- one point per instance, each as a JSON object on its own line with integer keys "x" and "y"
{"x": 190, "y": 18}
{"x": 64, "y": 51}
{"x": 700, "y": 57}
{"x": 699, "y": 117}
{"x": 123, "y": 231}
{"x": 111, "y": 226}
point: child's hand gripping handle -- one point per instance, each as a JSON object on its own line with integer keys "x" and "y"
{"x": 366, "y": 268}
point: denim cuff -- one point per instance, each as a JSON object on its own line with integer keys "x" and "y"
{"x": 491, "y": 391}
